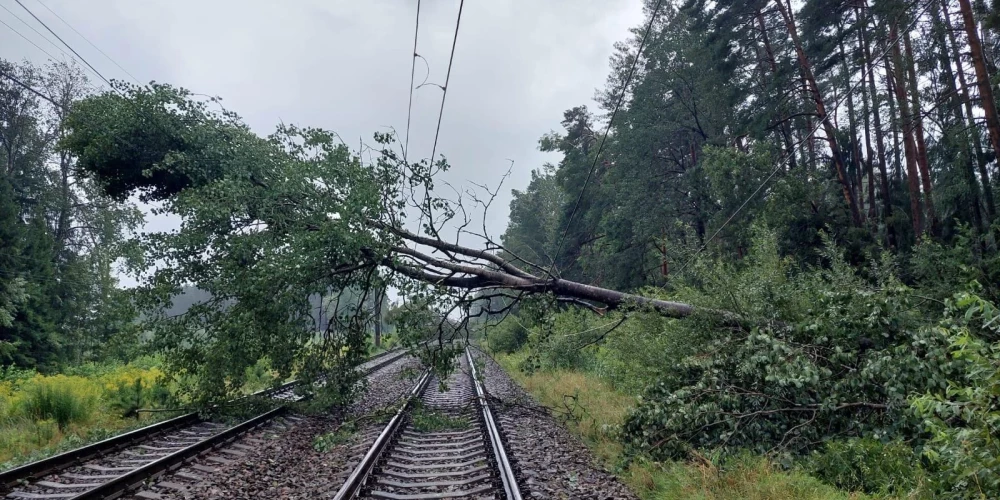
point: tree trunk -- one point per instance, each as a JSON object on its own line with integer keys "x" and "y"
{"x": 959, "y": 125}
{"x": 909, "y": 144}
{"x": 982, "y": 76}
{"x": 786, "y": 134}
{"x": 918, "y": 131}
{"x": 894, "y": 121}
{"x": 831, "y": 132}
{"x": 879, "y": 138}
{"x": 981, "y": 159}
{"x": 859, "y": 191}
{"x": 377, "y": 338}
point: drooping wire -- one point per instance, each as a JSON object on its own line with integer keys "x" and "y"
{"x": 781, "y": 161}
{"x": 81, "y": 58}
{"x": 31, "y": 89}
{"x": 447, "y": 78}
{"x": 32, "y": 28}
{"x": 28, "y": 40}
{"x": 413, "y": 71}
{"x": 136, "y": 80}
{"x": 611, "y": 120}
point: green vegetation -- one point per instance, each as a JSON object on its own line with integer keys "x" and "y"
{"x": 426, "y": 420}
{"x": 776, "y": 269}
{"x": 323, "y": 443}
{"x": 44, "y": 414}
{"x": 593, "y": 409}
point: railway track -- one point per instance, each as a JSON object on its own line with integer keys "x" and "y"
{"x": 113, "y": 467}
{"x": 438, "y": 445}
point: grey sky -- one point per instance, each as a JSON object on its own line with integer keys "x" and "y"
{"x": 345, "y": 66}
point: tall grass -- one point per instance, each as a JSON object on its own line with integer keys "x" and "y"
{"x": 42, "y": 414}
{"x": 59, "y": 401}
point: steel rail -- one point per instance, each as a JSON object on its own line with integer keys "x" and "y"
{"x": 512, "y": 491}
{"x": 44, "y": 467}
{"x": 41, "y": 468}
{"x": 364, "y": 469}
{"x": 359, "y": 477}
{"x": 135, "y": 479}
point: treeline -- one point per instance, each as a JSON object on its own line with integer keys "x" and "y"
{"x": 59, "y": 236}
{"x": 874, "y": 121}
{"x": 825, "y": 169}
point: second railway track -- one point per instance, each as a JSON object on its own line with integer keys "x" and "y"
{"x": 111, "y": 468}
{"x": 413, "y": 461}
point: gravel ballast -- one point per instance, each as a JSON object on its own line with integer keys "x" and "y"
{"x": 552, "y": 463}
{"x": 280, "y": 462}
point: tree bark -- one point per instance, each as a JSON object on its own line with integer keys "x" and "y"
{"x": 982, "y": 75}
{"x": 852, "y": 125}
{"x": 981, "y": 159}
{"x": 909, "y": 144}
{"x": 877, "y": 122}
{"x": 916, "y": 114}
{"x": 831, "y": 132}
{"x": 895, "y": 122}
{"x": 786, "y": 133}
{"x": 959, "y": 124}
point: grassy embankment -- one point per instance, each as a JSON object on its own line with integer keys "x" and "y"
{"x": 44, "y": 414}
{"x": 41, "y": 415}
{"x": 598, "y": 409}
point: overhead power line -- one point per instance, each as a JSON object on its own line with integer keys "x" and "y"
{"x": 77, "y": 54}
{"x": 413, "y": 70}
{"x": 29, "y": 88}
{"x": 28, "y": 40}
{"x": 70, "y": 26}
{"x": 32, "y": 28}
{"x": 600, "y": 148}
{"x": 447, "y": 78}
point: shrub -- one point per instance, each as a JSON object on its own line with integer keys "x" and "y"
{"x": 507, "y": 337}
{"x": 259, "y": 376}
{"x": 565, "y": 340}
{"x": 826, "y": 352}
{"x": 964, "y": 418}
{"x": 867, "y": 465}
{"x": 60, "y": 398}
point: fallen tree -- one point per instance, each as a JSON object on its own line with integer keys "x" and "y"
{"x": 268, "y": 221}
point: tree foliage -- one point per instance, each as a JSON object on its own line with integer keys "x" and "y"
{"x": 59, "y": 235}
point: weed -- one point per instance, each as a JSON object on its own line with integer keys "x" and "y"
{"x": 60, "y": 403}
{"x": 425, "y": 420}
{"x": 323, "y": 443}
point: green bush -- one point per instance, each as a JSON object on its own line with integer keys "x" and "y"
{"x": 566, "y": 340}
{"x": 128, "y": 398}
{"x": 58, "y": 403}
{"x": 507, "y": 337}
{"x": 964, "y": 417}
{"x": 867, "y": 465}
{"x": 823, "y": 352}
{"x": 642, "y": 350}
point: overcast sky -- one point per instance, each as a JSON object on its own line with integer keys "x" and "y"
{"x": 345, "y": 66}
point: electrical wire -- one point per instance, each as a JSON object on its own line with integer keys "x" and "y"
{"x": 447, "y": 78}
{"x": 413, "y": 72}
{"x": 611, "y": 120}
{"x": 136, "y": 80}
{"x": 81, "y": 58}
{"x": 54, "y": 58}
{"x": 31, "y": 89}
{"x": 32, "y": 28}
